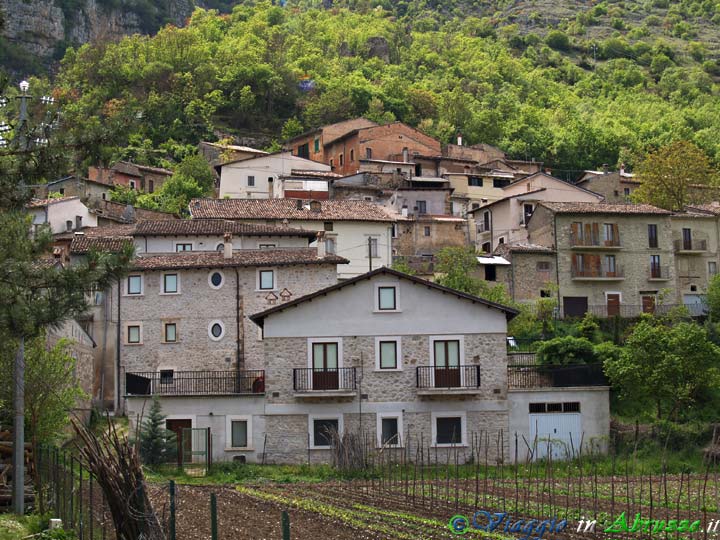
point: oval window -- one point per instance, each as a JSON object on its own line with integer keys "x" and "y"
{"x": 216, "y": 330}
{"x": 216, "y": 279}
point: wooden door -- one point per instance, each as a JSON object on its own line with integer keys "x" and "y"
{"x": 325, "y": 366}
{"x": 447, "y": 364}
{"x": 183, "y": 444}
{"x": 648, "y": 304}
{"x": 613, "y": 305}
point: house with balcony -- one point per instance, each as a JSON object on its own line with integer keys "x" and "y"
{"x": 611, "y": 259}
{"x": 367, "y": 357}
{"x": 184, "y": 334}
{"x": 505, "y": 220}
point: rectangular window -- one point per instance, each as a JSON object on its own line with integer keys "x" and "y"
{"x": 251, "y": 181}
{"x": 626, "y": 191}
{"x": 542, "y": 266}
{"x": 447, "y": 353}
{"x": 352, "y": 155}
{"x": 609, "y": 232}
{"x": 687, "y": 239}
{"x": 303, "y": 151}
{"x": 266, "y": 246}
{"x": 422, "y": 207}
{"x": 388, "y": 355}
{"x": 712, "y": 268}
{"x": 500, "y": 182}
{"x": 418, "y": 169}
{"x": 387, "y": 298}
{"x": 571, "y": 406}
{"x": 537, "y": 407}
{"x": 528, "y": 210}
{"x": 316, "y": 148}
{"x": 170, "y": 283}
{"x": 448, "y": 430}
{"x": 267, "y": 279}
{"x": 394, "y": 230}
{"x": 332, "y": 163}
{"x": 323, "y": 430}
{"x": 325, "y": 356}
{"x": 239, "y": 433}
{"x": 374, "y": 247}
{"x": 389, "y": 432}
{"x": 151, "y": 186}
{"x": 554, "y": 407}
{"x": 133, "y": 185}
{"x": 475, "y": 181}
{"x": 610, "y": 264}
{"x": 166, "y": 376}
{"x": 134, "y": 285}
{"x": 341, "y": 159}
{"x": 170, "y": 333}
{"x": 328, "y": 225}
{"x": 330, "y": 246}
{"x": 368, "y": 153}
{"x": 652, "y": 236}
{"x": 183, "y": 247}
{"x": 655, "y": 271}
{"x": 133, "y": 334}
{"x": 427, "y": 231}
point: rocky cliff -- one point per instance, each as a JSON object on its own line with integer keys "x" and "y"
{"x": 44, "y": 28}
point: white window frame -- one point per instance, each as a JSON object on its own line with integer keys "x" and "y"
{"x": 613, "y": 292}
{"x": 164, "y": 333}
{"x": 210, "y": 283}
{"x": 398, "y": 352}
{"x": 312, "y": 341}
{"x": 211, "y": 324}
{"x": 266, "y": 246}
{"x": 126, "y": 285}
{"x": 228, "y": 432}
{"x": 274, "y": 287}
{"x": 399, "y": 417}
{"x": 463, "y": 428}
{"x": 176, "y": 244}
{"x": 311, "y": 427}
{"x": 126, "y": 333}
{"x": 162, "y": 283}
{"x": 461, "y": 352}
{"x": 376, "y": 297}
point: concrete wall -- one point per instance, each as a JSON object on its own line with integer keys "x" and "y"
{"x": 167, "y": 244}
{"x": 594, "y": 408}
{"x": 58, "y": 212}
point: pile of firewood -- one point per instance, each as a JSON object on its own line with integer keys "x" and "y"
{"x": 6, "y": 469}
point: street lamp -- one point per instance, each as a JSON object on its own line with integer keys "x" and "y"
{"x": 24, "y": 140}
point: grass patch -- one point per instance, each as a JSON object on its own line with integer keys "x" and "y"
{"x": 13, "y": 527}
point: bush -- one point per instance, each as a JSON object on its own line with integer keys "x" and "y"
{"x": 566, "y": 350}
{"x": 589, "y": 328}
{"x": 558, "y": 40}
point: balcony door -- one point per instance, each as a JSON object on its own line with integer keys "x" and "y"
{"x": 325, "y": 366}
{"x": 447, "y": 363}
{"x": 687, "y": 239}
{"x": 613, "y": 304}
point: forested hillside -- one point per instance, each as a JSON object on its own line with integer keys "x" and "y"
{"x": 575, "y": 84}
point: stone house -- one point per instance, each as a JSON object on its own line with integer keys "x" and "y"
{"x": 185, "y": 334}
{"x": 504, "y": 221}
{"x": 63, "y": 214}
{"x": 359, "y": 231}
{"x": 616, "y": 187}
{"x": 131, "y": 175}
{"x": 530, "y": 274}
{"x": 311, "y": 144}
{"x": 611, "y": 259}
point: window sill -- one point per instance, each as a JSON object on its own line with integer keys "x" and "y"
{"x": 464, "y": 445}
{"x": 391, "y": 446}
{"x": 321, "y": 448}
{"x": 169, "y": 293}
{"x": 133, "y": 344}
{"x": 170, "y": 342}
{"x": 387, "y": 311}
{"x": 384, "y": 370}
{"x": 127, "y": 295}
{"x": 243, "y": 449}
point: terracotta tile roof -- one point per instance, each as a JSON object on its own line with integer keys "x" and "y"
{"x": 331, "y": 210}
{"x": 603, "y": 208}
{"x": 44, "y": 263}
{"x": 213, "y": 227}
{"x": 120, "y": 213}
{"x": 244, "y": 257}
{"x": 710, "y": 208}
{"x": 82, "y": 244}
{"x": 40, "y": 203}
{"x": 506, "y": 198}
{"x": 107, "y": 231}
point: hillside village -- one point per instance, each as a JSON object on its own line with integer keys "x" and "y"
{"x": 275, "y": 310}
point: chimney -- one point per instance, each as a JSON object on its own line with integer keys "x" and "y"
{"x": 321, "y": 245}
{"x": 405, "y": 155}
{"x": 622, "y": 169}
{"x": 605, "y": 168}
{"x": 459, "y": 139}
{"x": 404, "y": 210}
{"x": 299, "y": 204}
{"x": 227, "y": 246}
{"x": 315, "y": 206}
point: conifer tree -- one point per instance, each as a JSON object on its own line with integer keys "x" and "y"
{"x": 157, "y": 443}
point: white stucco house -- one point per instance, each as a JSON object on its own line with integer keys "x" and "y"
{"x": 63, "y": 214}
{"x": 257, "y": 177}
{"x": 359, "y": 231}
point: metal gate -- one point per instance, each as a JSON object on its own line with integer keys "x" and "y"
{"x": 195, "y": 450}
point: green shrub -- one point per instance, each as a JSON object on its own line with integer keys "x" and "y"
{"x": 565, "y": 351}
{"x": 558, "y": 40}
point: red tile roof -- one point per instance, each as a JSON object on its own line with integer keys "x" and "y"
{"x": 213, "y": 227}
{"x": 711, "y": 208}
{"x": 81, "y": 244}
{"x": 277, "y": 209}
{"x": 603, "y": 208}
{"x": 40, "y": 203}
{"x": 523, "y": 248}
{"x": 244, "y": 257}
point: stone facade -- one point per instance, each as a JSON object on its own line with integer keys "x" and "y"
{"x": 529, "y": 275}
{"x": 615, "y": 187}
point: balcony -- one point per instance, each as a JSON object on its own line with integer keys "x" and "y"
{"x": 311, "y": 382}
{"x": 598, "y": 273}
{"x": 483, "y": 227}
{"x": 531, "y": 377}
{"x": 659, "y": 273}
{"x": 594, "y": 241}
{"x": 691, "y": 246}
{"x": 460, "y": 380}
{"x": 195, "y": 383}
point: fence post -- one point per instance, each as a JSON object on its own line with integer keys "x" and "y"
{"x": 285, "y": 525}
{"x": 172, "y": 510}
{"x": 213, "y": 517}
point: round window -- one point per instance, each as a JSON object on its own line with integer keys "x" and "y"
{"x": 216, "y": 330}
{"x": 216, "y": 280}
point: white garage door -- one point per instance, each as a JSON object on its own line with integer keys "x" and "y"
{"x": 554, "y": 432}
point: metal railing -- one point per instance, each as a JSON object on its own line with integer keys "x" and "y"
{"x": 556, "y": 376}
{"x": 320, "y": 380}
{"x": 452, "y": 377}
{"x": 194, "y": 383}
{"x": 692, "y": 244}
{"x": 599, "y": 272}
{"x": 581, "y": 240}
{"x": 659, "y": 272}
{"x": 483, "y": 227}
{"x": 521, "y": 358}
